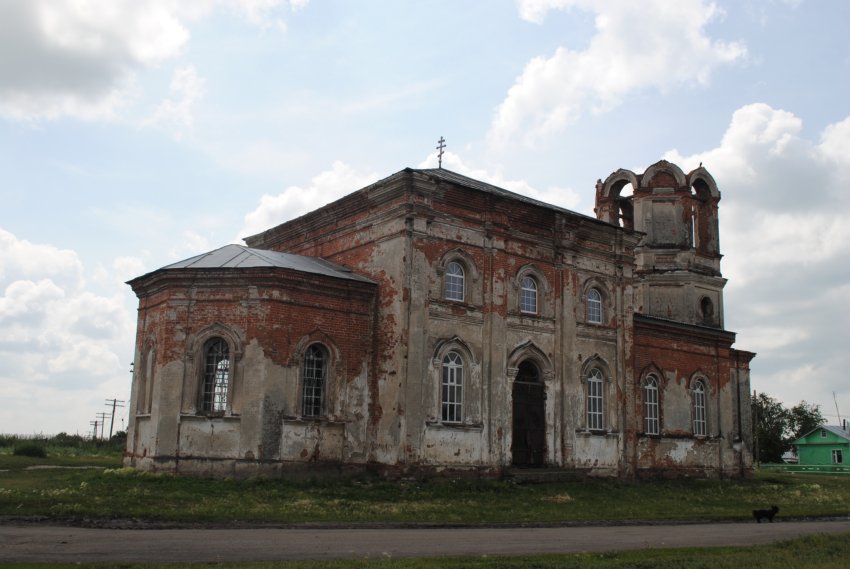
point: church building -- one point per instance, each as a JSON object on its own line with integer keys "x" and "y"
{"x": 433, "y": 324}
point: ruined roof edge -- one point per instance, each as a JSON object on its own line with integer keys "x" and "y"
{"x": 443, "y": 175}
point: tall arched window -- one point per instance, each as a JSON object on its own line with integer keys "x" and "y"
{"x": 700, "y": 428}
{"x": 216, "y": 376}
{"x": 454, "y": 282}
{"x": 314, "y": 376}
{"x": 595, "y": 400}
{"x": 452, "y": 388}
{"x": 594, "y": 306}
{"x": 528, "y": 296}
{"x": 650, "y": 406}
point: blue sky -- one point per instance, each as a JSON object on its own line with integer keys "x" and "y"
{"x": 137, "y": 133}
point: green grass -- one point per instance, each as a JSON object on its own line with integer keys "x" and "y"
{"x": 125, "y": 493}
{"x": 59, "y": 450}
{"x": 109, "y": 491}
{"x": 813, "y": 552}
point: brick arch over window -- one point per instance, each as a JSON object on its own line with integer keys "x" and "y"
{"x": 610, "y": 205}
{"x": 472, "y": 293}
{"x": 529, "y": 351}
{"x": 544, "y": 305}
{"x": 705, "y": 234}
{"x": 318, "y": 363}
{"x": 604, "y": 304}
{"x": 701, "y": 403}
{"x": 455, "y": 374}
{"x": 650, "y": 400}
{"x": 663, "y": 167}
{"x": 197, "y": 371}
{"x": 597, "y": 382}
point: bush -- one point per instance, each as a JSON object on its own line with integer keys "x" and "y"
{"x": 66, "y": 440}
{"x": 30, "y": 449}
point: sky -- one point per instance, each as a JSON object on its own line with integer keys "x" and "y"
{"x": 136, "y": 133}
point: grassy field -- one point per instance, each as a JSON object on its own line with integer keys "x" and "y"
{"x": 816, "y": 552}
{"x": 113, "y": 492}
{"x": 108, "y": 491}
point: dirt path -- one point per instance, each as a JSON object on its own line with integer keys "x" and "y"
{"x": 69, "y": 544}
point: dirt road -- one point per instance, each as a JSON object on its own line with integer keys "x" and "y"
{"x": 54, "y": 544}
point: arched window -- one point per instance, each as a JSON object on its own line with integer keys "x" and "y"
{"x": 216, "y": 376}
{"x": 454, "y": 282}
{"x": 452, "y": 388}
{"x": 700, "y": 429}
{"x": 528, "y": 296}
{"x": 314, "y": 375}
{"x": 594, "y": 306}
{"x": 594, "y": 400}
{"x": 650, "y": 406}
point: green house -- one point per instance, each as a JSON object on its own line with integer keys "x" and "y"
{"x": 825, "y": 446}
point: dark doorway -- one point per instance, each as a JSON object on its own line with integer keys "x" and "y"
{"x": 528, "y": 447}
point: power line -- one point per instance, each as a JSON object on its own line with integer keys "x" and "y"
{"x": 113, "y": 403}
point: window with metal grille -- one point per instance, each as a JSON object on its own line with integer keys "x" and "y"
{"x": 216, "y": 375}
{"x": 315, "y": 370}
{"x": 594, "y": 400}
{"x": 454, "y": 281}
{"x": 528, "y": 296}
{"x": 594, "y": 306}
{"x": 700, "y": 429}
{"x": 452, "y": 388}
{"x": 650, "y": 406}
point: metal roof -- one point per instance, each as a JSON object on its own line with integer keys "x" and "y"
{"x": 834, "y": 429}
{"x": 468, "y": 182}
{"x": 240, "y": 257}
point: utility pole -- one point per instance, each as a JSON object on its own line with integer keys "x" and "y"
{"x": 755, "y": 429}
{"x": 102, "y": 417}
{"x": 94, "y": 433}
{"x": 113, "y": 403}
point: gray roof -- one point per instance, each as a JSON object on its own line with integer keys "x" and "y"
{"x": 240, "y": 257}
{"x": 468, "y": 182}
{"x": 834, "y": 429}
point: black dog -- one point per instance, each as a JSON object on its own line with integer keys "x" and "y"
{"x": 760, "y": 514}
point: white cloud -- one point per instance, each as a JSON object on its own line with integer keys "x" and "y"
{"x": 55, "y": 337}
{"x": 266, "y": 13}
{"x": 562, "y": 197}
{"x": 175, "y": 114}
{"x": 294, "y": 201}
{"x": 80, "y": 58}
{"x": 654, "y": 44}
{"x": 787, "y": 248}
{"x": 191, "y": 244}
{"x": 26, "y": 260}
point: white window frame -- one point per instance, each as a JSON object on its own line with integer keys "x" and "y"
{"x": 454, "y": 282}
{"x": 837, "y": 456}
{"x": 595, "y": 400}
{"x": 528, "y": 295}
{"x": 451, "y": 388}
{"x": 314, "y": 374}
{"x": 215, "y": 383}
{"x": 699, "y": 407}
{"x": 594, "y": 306}
{"x": 651, "y": 407}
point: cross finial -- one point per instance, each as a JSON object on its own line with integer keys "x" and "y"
{"x": 440, "y": 146}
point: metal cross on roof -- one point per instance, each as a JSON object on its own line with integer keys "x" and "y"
{"x": 440, "y": 146}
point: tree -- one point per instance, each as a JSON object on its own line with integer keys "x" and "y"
{"x": 771, "y": 425}
{"x": 776, "y": 427}
{"x": 803, "y": 418}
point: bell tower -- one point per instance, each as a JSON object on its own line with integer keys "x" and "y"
{"x": 677, "y": 263}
